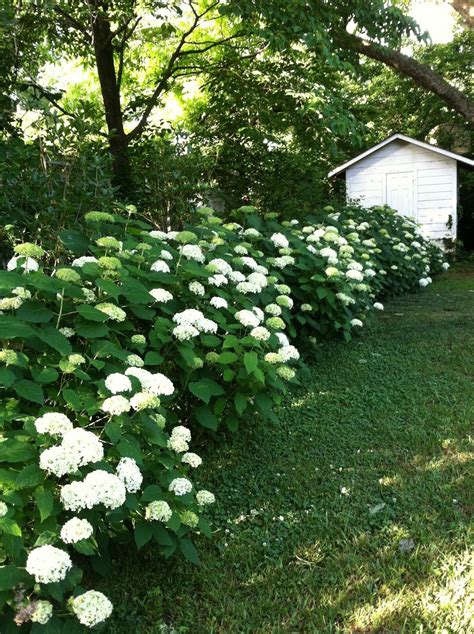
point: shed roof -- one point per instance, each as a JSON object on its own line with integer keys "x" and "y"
{"x": 407, "y": 139}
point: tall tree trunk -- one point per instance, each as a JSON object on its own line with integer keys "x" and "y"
{"x": 104, "y": 56}
{"x": 421, "y": 74}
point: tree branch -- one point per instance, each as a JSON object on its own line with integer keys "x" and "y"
{"x": 209, "y": 46}
{"x": 465, "y": 10}
{"x": 421, "y": 74}
{"x": 126, "y": 36}
{"x": 75, "y": 24}
{"x": 49, "y": 97}
{"x": 167, "y": 73}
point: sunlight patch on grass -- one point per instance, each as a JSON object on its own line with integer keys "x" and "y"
{"x": 443, "y": 603}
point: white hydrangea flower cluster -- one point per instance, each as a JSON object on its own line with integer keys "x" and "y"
{"x": 180, "y": 486}
{"x": 67, "y": 332}
{"x": 116, "y": 405}
{"x": 273, "y": 309}
{"x": 218, "y": 265}
{"x": 288, "y": 353}
{"x": 144, "y": 400}
{"x": 279, "y": 240}
{"x": 197, "y": 288}
{"x": 43, "y": 611}
{"x": 84, "y": 259}
{"x": 22, "y": 292}
{"x": 204, "y": 497}
{"x": 10, "y": 303}
{"x": 236, "y": 277}
{"x": 91, "y": 608}
{"x": 273, "y": 358}
{"x": 160, "y": 266}
{"x": 53, "y": 423}
{"x": 284, "y": 261}
{"x": 27, "y": 264}
{"x": 354, "y": 275}
{"x": 113, "y": 312}
{"x": 248, "y": 318}
{"x": 191, "y": 323}
{"x": 218, "y": 280}
{"x": 260, "y": 333}
{"x": 98, "y": 487}
{"x": 179, "y": 439}
{"x": 156, "y": 383}
{"x": 192, "y": 252}
{"x": 135, "y": 360}
{"x": 161, "y": 295}
{"x": 218, "y": 302}
{"x": 285, "y": 301}
{"x": 192, "y": 459}
{"x": 117, "y": 382}
{"x": 158, "y": 235}
{"x": 75, "y": 530}
{"x": 78, "y": 448}
{"x": 127, "y": 470}
{"x": 48, "y": 564}
{"x": 159, "y": 511}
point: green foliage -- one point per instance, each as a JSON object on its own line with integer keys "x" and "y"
{"x": 47, "y": 187}
{"x": 191, "y": 323}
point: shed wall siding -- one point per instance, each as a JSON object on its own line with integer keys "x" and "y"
{"x": 434, "y": 184}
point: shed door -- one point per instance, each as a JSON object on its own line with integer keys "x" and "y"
{"x": 400, "y": 193}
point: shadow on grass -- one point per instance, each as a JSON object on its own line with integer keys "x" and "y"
{"x": 312, "y": 509}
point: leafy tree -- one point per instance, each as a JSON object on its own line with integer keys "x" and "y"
{"x": 271, "y": 126}
{"x": 141, "y": 51}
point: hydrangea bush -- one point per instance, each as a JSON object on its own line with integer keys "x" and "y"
{"x": 113, "y": 357}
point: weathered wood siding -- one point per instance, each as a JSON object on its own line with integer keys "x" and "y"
{"x": 433, "y": 185}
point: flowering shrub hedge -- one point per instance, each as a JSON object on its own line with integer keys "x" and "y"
{"x": 112, "y": 358}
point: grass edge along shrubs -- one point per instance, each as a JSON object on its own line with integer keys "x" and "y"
{"x": 112, "y": 359}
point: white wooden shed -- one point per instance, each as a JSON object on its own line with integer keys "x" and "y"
{"x": 417, "y": 179}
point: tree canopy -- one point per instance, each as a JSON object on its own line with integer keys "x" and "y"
{"x": 222, "y": 100}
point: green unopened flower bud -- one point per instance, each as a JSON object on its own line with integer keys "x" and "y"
{"x": 205, "y": 211}
{"x": 109, "y": 242}
{"x": 188, "y": 518}
{"x": 286, "y": 373}
{"x": 28, "y": 249}
{"x": 66, "y": 366}
{"x": 99, "y": 216}
{"x": 214, "y": 220}
{"x": 212, "y": 357}
{"x": 110, "y": 263}
{"x": 247, "y": 209}
{"x": 196, "y": 363}
{"x": 9, "y": 357}
{"x": 275, "y": 323}
{"x": 68, "y": 275}
{"x": 186, "y": 237}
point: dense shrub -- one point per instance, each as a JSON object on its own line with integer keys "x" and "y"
{"x": 110, "y": 362}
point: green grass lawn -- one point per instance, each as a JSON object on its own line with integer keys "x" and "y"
{"x": 373, "y": 448}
